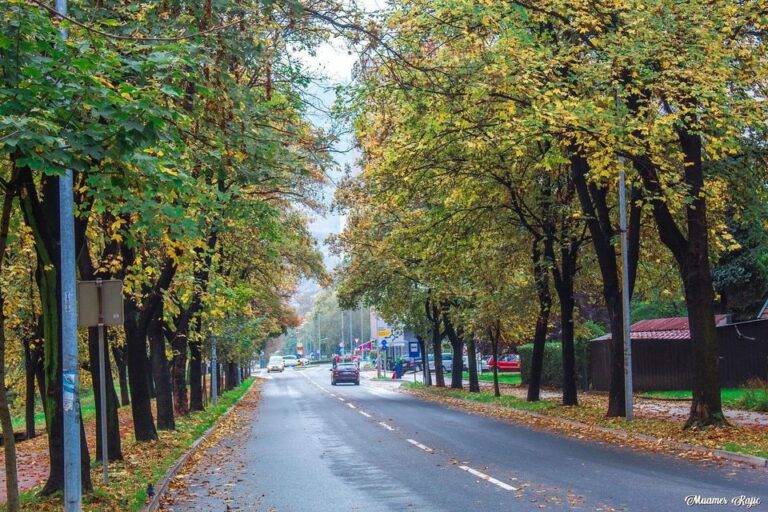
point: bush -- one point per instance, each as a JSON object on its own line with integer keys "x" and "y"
{"x": 552, "y": 369}
{"x": 755, "y": 395}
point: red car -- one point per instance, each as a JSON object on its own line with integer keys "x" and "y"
{"x": 507, "y": 363}
{"x": 345, "y": 372}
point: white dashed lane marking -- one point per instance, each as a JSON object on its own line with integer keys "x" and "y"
{"x": 364, "y": 414}
{"x": 419, "y": 445}
{"x": 386, "y": 426}
{"x": 487, "y": 478}
{"x": 351, "y": 406}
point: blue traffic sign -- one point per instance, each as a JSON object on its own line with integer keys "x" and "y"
{"x": 414, "y": 349}
{"x": 383, "y": 344}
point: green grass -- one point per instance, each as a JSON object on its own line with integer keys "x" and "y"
{"x": 87, "y": 408}
{"x": 504, "y": 377}
{"x": 487, "y": 397}
{"x": 745, "y": 448}
{"x": 737, "y": 398}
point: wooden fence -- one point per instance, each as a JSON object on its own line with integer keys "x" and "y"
{"x": 659, "y": 364}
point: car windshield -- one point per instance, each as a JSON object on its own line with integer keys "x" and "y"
{"x": 347, "y": 366}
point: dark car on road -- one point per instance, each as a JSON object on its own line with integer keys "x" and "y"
{"x": 345, "y": 372}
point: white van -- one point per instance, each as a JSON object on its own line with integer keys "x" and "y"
{"x": 290, "y": 360}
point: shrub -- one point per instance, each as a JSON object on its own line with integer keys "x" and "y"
{"x": 755, "y": 395}
{"x": 552, "y": 369}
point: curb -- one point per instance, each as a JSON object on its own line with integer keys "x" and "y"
{"x": 752, "y": 460}
{"x": 162, "y": 486}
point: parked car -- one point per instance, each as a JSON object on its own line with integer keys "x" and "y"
{"x": 447, "y": 362}
{"x": 345, "y": 372}
{"x": 507, "y": 363}
{"x": 291, "y": 360}
{"x": 275, "y": 364}
{"x": 303, "y": 361}
{"x": 484, "y": 367}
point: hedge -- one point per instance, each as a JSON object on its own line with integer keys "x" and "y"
{"x": 552, "y": 370}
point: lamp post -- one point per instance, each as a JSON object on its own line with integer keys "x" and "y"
{"x": 70, "y": 381}
{"x": 628, "y": 399}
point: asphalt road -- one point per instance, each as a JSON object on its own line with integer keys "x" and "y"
{"x": 316, "y": 447}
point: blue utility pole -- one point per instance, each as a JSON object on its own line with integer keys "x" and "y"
{"x": 70, "y": 382}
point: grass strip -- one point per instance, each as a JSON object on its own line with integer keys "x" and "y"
{"x": 748, "y": 441}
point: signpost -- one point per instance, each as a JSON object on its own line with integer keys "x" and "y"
{"x": 100, "y": 303}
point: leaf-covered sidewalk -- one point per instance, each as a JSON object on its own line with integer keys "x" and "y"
{"x": 143, "y": 462}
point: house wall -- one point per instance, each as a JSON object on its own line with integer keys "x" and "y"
{"x": 666, "y": 364}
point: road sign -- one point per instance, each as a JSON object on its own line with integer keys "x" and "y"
{"x": 413, "y": 349}
{"x": 385, "y": 333}
{"x": 94, "y": 297}
{"x": 100, "y": 303}
{"x": 383, "y": 344}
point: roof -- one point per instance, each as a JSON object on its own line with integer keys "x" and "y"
{"x": 674, "y": 328}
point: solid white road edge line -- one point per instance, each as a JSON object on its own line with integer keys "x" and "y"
{"x": 419, "y": 445}
{"x": 487, "y": 478}
{"x": 386, "y": 426}
{"x": 364, "y": 414}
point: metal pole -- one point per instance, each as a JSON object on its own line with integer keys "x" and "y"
{"x": 70, "y": 382}
{"x": 625, "y": 293}
{"x": 342, "y": 329}
{"x": 214, "y": 373}
{"x": 102, "y": 388}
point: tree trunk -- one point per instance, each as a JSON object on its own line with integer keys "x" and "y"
{"x": 30, "y": 371}
{"x": 119, "y": 354}
{"x": 541, "y": 278}
{"x": 437, "y": 350}
{"x": 41, "y": 216}
{"x": 457, "y": 345}
{"x": 161, "y": 373}
{"x": 195, "y": 376}
{"x": 114, "y": 447}
{"x": 494, "y": 335}
{"x": 179, "y": 368}
{"x": 424, "y": 361}
{"x": 594, "y": 204}
{"x": 138, "y": 368}
{"x": 474, "y": 382}
{"x": 567, "y": 339}
{"x": 9, "y": 441}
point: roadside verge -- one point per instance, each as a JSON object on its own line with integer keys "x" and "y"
{"x": 587, "y": 422}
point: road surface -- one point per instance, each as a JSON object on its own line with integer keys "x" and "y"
{"x": 311, "y": 446}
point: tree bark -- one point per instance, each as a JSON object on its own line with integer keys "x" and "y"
{"x": 594, "y": 204}
{"x": 424, "y": 360}
{"x": 161, "y": 373}
{"x": 195, "y": 376}
{"x": 178, "y": 341}
{"x": 119, "y": 355}
{"x": 41, "y": 216}
{"x": 494, "y": 333}
{"x": 433, "y": 314}
{"x": 138, "y": 368}
{"x": 541, "y": 279}
{"x": 9, "y": 439}
{"x": 455, "y": 336}
{"x": 114, "y": 445}
{"x": 474, "y": 381}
